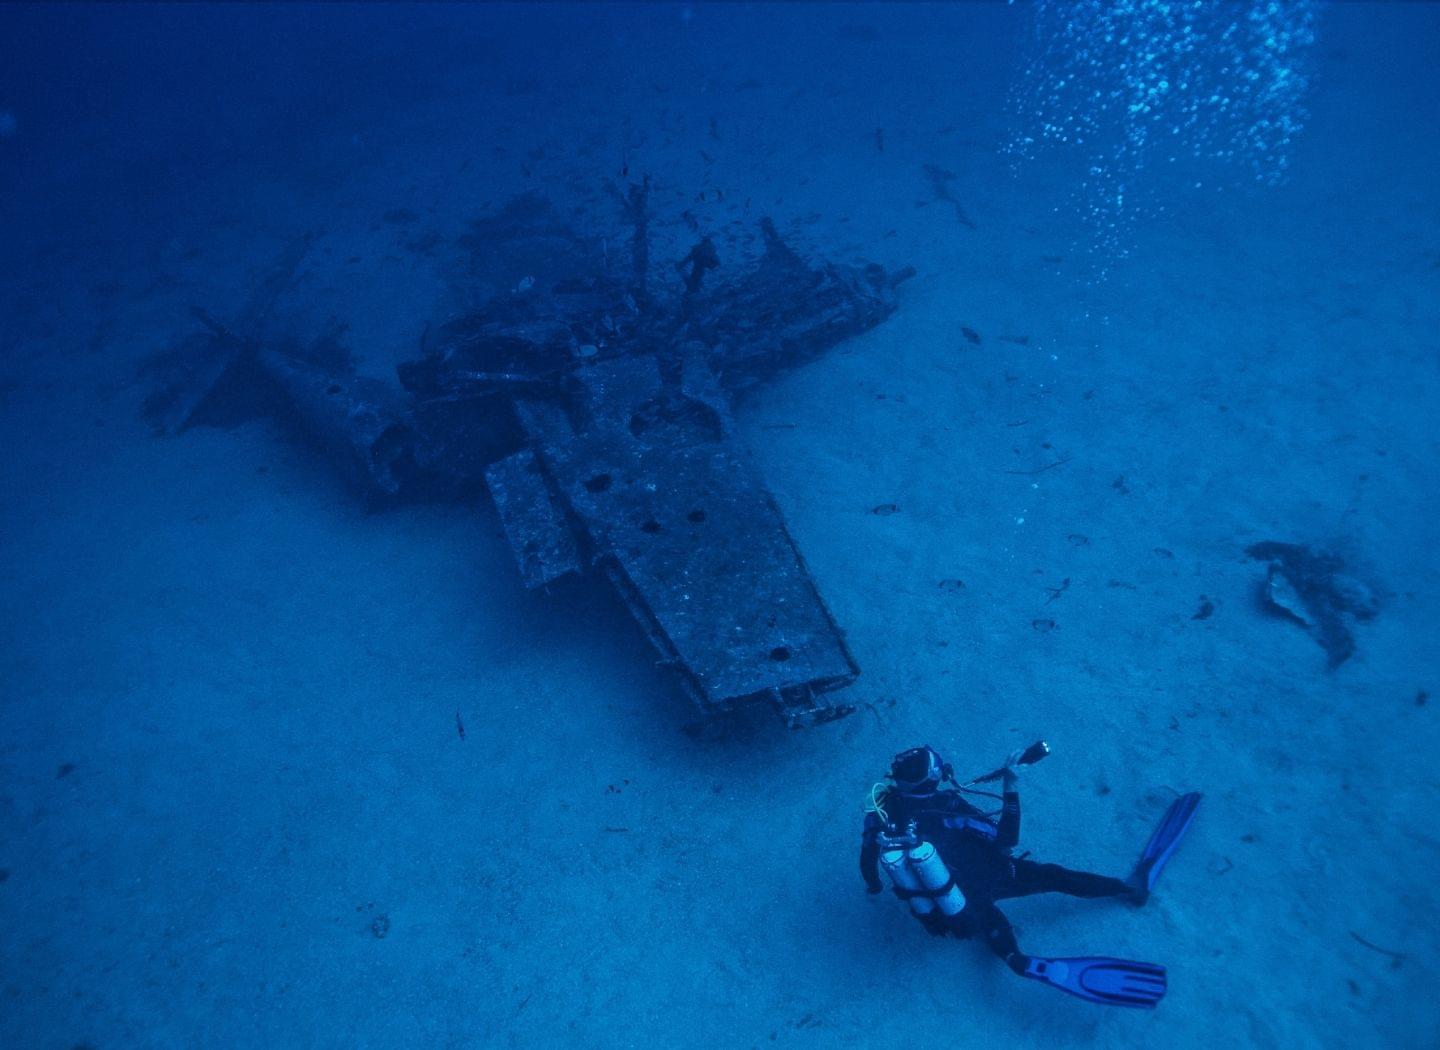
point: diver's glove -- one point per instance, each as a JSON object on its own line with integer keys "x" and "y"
{"x": 1013, "y": 768}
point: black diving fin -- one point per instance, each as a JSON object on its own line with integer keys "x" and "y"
{"x": 1110, "y": 982}
{"x": 1162, "y": 844}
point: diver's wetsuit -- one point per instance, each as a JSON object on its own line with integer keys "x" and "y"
{"x": 977, "y": 852}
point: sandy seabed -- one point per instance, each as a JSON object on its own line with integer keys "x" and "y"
{"x": 235, "y": 809}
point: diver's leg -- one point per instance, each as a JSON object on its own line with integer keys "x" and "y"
{"x": 1031, "y": 878}
{"x": 984, "y": 918}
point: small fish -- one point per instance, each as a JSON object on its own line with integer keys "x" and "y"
{"x": 459, "y": 725}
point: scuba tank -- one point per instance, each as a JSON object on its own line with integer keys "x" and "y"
{"x": 917, "y": 873}
{"x": 935, "y": 879}
{"x": 903, "y": 880}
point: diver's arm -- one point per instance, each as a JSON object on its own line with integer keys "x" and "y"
{"x": 870, "y": 854}
{"x": 1009, "y": 836}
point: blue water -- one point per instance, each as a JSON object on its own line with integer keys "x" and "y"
{"x": 236, "y": 804}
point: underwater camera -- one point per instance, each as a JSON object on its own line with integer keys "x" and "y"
{"x": 1034, "y": 753}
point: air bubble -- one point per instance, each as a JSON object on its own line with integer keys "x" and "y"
{"x": 1227, "y": 80}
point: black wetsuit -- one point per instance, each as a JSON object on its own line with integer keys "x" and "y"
{"x": 978, "y": 853}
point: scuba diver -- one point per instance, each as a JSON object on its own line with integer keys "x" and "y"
{"x": 952, "y": 861}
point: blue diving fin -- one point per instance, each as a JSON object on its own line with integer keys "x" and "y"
{"x": 1162, "y": 845}
{"x": 1110, "y": 982}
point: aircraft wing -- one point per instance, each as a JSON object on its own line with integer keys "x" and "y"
{"x": 640, "y": 475}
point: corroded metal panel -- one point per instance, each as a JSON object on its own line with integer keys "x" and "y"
{"x": 541, "y": 540}
{"x": 680, "y": 518}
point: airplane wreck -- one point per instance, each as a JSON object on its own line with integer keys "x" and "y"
{"x": 595, "y": 407}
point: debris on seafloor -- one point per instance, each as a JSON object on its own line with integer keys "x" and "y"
{"x": 595, "y": 406}
{"x": 1315, "y": 589}
{"x": 940, "y": 180}
{"x": 702, "y": 257}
